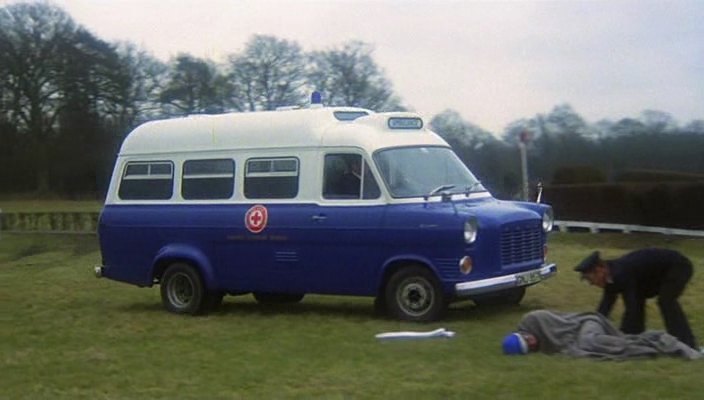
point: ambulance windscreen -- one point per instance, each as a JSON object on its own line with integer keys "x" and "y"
{"x": 417, "y": 171}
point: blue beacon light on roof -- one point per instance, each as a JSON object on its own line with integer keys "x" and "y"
{"x": 316, "y": 98}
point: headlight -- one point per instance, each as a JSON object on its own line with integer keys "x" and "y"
{"x": 548, "y": 220}
{"x": 470, "y": 230}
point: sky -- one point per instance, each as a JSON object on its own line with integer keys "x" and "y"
{"x": 493, "y": 62}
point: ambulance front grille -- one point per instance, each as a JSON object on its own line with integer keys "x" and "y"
{"x": 521, "y": 242}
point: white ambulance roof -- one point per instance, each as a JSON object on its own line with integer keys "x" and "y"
{"x": 274, "y": 129}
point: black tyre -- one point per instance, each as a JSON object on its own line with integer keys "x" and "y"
{"x": 214, "y": 300}
{"x": 277, "y": 298}
{"x": 414, "y": 294}
{"x": 506, "y": 297}
{"x": 380, "y": 306}
{"x": 182, "y": 290}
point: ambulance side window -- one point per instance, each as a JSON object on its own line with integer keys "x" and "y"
{"x": 149, "y": 180}
{"x": 271, "y": 178}
{"x": 208, "y": 179}
{"x": 347, "y": 177}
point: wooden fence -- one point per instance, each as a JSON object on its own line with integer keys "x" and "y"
{"x": 596, "y": 227}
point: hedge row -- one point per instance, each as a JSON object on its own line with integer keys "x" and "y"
{"x": 672, "y": 205}
{"x": 649, "y": 175}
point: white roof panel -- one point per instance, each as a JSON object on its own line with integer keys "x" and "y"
{"x": 273, "y": 129}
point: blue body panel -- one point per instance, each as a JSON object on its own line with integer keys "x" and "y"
{"x": 309, "y": 248}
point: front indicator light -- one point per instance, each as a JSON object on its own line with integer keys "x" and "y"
{"x": 466, "y": 265}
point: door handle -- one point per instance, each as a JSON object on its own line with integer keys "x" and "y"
{"x": 319, "y": 217}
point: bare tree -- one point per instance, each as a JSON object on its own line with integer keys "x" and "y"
{"x": 148, "y": 77}
{"x": 192, "y": 87}
{"x": 348, "y": 76}
{"x": 49, "y": 69}
{"x": 269, "y": 73}
{"x": 31, "y": 43}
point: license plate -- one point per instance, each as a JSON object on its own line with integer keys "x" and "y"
{"x": 528, "y": 278}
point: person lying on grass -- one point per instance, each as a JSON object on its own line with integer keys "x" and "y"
{"x": 589, "y": 335}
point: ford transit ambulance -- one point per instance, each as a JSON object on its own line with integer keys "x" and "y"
{"x": 324, "y": 200}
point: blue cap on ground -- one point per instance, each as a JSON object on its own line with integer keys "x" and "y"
{"x": 514, "y": 344}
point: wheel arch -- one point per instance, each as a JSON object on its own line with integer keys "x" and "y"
{"x": 187, "y": 254}
{"x": 395, "y": 264}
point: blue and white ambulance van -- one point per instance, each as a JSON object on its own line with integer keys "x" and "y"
{"x": 324, "y": 200}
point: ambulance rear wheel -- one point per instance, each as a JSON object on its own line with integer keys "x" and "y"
{"x": 414, "y": 294}
{"x": 277, "y": 298}
{"x": 182, "y": 290}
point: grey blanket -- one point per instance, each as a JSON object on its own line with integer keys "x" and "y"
{"x": 592, "y": 335}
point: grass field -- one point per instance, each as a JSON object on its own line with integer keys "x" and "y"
{"x": 35, "y": 205}
{"x": 66, "y": 335}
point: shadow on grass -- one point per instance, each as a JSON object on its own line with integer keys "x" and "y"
{"x": 242, "y": 308}
{"x": 467, "y": 310}
{"x": 85, "y": 247}
{"x": 142, "y": 307}
{"x": 30, "y": 250}
{"x": 317, "y": 308}
{"x": 355, "y": 308}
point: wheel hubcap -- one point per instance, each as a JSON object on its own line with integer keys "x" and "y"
{"x": 180, "y": 290}
{"x": 415, "y": 296}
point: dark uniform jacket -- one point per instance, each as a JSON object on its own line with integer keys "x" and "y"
{"x": 637, "y": 276}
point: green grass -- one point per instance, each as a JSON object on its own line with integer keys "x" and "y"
{"x": 66, "y": 335}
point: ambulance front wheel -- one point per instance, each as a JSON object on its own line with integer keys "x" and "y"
{"x": 182, "y": 290}
{"x": 414, "y": 294}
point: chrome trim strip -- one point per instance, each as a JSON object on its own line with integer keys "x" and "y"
{"x": 501, "y": 282}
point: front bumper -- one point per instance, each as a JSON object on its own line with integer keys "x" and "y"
{"x": 524, "y": 278}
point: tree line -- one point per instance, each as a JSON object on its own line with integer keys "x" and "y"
{"x": 565, "y": 149}
{"x": 68, "y": 99}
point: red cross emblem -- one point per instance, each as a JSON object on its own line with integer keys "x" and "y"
{"x": 255, "y": 219}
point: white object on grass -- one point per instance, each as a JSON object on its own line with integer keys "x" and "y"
{"x": 438, "y": 333}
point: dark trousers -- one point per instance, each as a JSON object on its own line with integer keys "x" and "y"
{"x": 672, "y": 287}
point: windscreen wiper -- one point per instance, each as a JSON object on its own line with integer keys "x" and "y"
{"x": 470, "y": 188}
{"x": 438, "y": 190}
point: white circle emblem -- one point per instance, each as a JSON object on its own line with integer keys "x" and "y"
{"x": 256, "y": 218}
